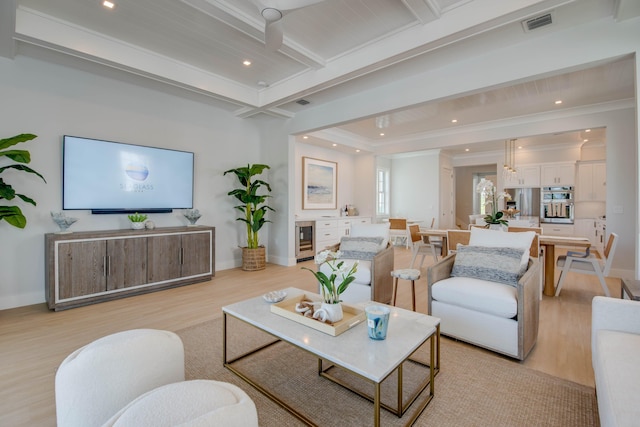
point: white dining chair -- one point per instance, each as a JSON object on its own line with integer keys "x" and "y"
{"x": 589, "y": 265}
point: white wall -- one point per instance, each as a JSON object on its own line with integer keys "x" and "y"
{"x": 415, "y": 193}
{"x": 50, "y": 101}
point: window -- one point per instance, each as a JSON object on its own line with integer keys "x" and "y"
{"x": 382, "y": 201}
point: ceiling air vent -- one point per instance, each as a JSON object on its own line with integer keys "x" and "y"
{"x": 537, "y": 22}
{"x": 302, "y": 102}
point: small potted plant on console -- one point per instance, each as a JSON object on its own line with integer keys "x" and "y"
{"x": 137, "y": 220}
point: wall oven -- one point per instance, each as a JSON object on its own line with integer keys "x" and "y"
{"x": 556, "y": 205}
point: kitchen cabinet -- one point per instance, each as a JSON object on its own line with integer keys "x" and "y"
{"x": 601, "y": 235}
{"x": 89, "y": 267}
{"x": 558, "y": 174}
{"x": 329, "y": 231}
{"x": 586, "y": 228}
{"x": 592, "y": 182}
{"x": 558, "y": 229}
{"x": 527, "y": 176}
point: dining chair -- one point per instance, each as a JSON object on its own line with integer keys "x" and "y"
{"x": 398, "y": 229}
{"x": 589, "y": 265}
{"x": 422, "y": 245}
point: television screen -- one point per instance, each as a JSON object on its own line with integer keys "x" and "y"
{"x": 110, "y": 177}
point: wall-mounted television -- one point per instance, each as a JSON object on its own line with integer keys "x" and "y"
{"x": 113, "y": 177}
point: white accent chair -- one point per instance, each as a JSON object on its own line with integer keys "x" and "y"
{"x": 589, "y": 265}
{"x": 373, "y": 281}
{"x": 500, "y": 317}
{"x": 615, "y": 345}
{"x": 136, "y": 378}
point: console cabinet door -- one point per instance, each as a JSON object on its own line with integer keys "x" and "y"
{"x": 81, "y": 268}
{"x": 196, "y": 254}
{"x": 126, "y": 262}
{"x": 163, "y": 255}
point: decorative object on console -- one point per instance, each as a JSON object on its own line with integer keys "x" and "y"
{"x": 254, "y": 209}
{"x": 12, "y": 214}
{"x": 329, "y": 289}
{"x": 193, "y": 215}
{"x": 63, "y": 221}
{"x": 319, "y": 184}
{"x": 149, "y": 225}
{"x": 491, "y": 197}
{"x": 137, "y": 220}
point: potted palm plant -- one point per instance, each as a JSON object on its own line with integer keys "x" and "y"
{"x": 12, "y": 214}
{"x": 254, "y": 208}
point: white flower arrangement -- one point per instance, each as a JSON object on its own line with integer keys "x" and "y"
{"x": 487, "y": 189}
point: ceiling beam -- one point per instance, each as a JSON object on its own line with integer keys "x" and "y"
{"x": 228, "y": 14}
{"x": 425, "y": 11}
{"x": 626, "y": 9}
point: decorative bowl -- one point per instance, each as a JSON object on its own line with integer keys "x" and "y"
{"x": 274, "y": 296}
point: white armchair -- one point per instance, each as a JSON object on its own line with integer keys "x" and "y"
{"x": 373, "y": 281}
{"x": 136, "y": 378}
{"x": 615, "y": 345}
{"x": 481, "y": 298}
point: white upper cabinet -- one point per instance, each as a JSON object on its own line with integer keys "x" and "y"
{"x": 558, "y": 174}
{"x": 527, "y": 176}
{"x": 592, "y": 182}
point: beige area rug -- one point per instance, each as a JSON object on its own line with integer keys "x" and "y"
{"x": 473, "y": 388}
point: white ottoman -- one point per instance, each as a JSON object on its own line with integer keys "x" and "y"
{"x": 189, "y": 403}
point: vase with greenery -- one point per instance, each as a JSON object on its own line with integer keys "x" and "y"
{"x": 331, "y": 309}
{"x": 12, "y": 214}
{"x": 254, "y": 208}
{"x": 491, "y": 196}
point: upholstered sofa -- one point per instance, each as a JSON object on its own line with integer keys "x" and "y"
{"x": 487, "y": 293}
{"x": 368, "y": 244}
{"x": 615, "y": 345}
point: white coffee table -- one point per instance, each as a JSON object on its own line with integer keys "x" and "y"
{"x": 352, "y": 350}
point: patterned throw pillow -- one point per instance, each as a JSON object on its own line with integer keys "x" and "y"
{"x": 364, "y": 248}
{"x": 501, "y": 265}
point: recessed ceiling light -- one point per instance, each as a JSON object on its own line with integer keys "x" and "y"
{"x": 454, "y": 121}
{"x": 108, "y": 4}
{"x": 558, "y": 102}
{"x": 305, "y": 137}
{"x": 519, "y": 147}
{"x": 334, "y": 144}
{"x": 357, "y": 151}
{"x": 246, "y": 62}
{"x": 381, "y": 134}
{"x": 587, "y": 130}
{"x": 466, "y": 149}
{"x": 585, "y": 140}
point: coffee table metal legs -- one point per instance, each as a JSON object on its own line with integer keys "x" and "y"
{"x": 401, "y": 408}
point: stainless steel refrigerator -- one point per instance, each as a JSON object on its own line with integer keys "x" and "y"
{"x": 527, "y": 200}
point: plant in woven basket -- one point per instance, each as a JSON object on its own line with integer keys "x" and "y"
{"x": 253, "y": 205}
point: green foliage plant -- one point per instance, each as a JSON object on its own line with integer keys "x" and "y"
{"x": 136, "y": 217}
{"x": 12, "y": 214}
{"x": 253, "y": 205}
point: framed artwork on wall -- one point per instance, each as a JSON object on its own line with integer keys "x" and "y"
{"x": 319, "y": 184}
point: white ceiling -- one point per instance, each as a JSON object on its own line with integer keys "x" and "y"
{"x": 331, "y": 49}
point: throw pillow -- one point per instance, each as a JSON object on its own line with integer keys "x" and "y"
{"x": 372, "y": 230}
{"x": 501, "y": 265}
{"x": 364, "y": 248}
{"x": 501, "y": 239}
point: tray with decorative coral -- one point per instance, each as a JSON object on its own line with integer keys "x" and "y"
{"x": 352, "y": 315}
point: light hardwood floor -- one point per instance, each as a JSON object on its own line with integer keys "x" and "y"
{"x": 34, "y": 340}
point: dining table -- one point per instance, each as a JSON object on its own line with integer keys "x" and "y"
{"x": 547, "y": 242}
